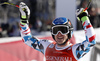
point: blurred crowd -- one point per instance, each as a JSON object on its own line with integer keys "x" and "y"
{"x": 42, "y": 14}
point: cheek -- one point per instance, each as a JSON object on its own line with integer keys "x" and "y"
{"x": 66, "y": 36}
{"x": 55, "y": 37}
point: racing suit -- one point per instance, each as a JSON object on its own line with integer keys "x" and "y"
{"x": 54, "y": 53}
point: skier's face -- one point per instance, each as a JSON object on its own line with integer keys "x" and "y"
{"x": 59, "y": 38}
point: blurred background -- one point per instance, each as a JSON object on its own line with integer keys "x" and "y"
{"x": 43, "y": 12}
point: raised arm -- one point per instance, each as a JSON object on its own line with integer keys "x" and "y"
{"x": 28, "y": 39}
{"x": 88, "y": 28}
{"x": 24, "y": 15}
{"x": 81, "y": 49}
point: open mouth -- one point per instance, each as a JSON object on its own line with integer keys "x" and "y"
{"x": 60, "y": 37}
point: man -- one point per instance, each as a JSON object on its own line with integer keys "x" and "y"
{"x": 62, "y": 29}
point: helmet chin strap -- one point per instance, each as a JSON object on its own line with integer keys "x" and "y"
{"x": 63, "y": 43}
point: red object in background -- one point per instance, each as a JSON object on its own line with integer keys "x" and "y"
{"x": 19, "y": 51}
{"x": 73, "y": 40}
{"x": 0, "y": 29}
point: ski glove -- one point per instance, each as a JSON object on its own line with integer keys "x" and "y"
{"x": 82, "y": 15}
{"x": 24, "y": 13}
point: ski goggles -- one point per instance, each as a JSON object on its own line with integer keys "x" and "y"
{"x": 60, "y": 28}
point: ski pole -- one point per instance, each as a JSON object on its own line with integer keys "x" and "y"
{"x": 87, "y": 5}
{"x": 10, "y": 4}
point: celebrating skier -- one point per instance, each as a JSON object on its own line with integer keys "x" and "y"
{"x": 62, "y": 30}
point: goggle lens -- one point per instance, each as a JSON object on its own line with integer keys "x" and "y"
{"x": 63, "y": 29}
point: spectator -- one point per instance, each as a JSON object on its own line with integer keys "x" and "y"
{"x": 94, "y": 18}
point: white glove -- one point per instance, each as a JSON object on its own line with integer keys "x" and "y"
{"x": 24, "y": 10}
{"x": 81, "y": 13}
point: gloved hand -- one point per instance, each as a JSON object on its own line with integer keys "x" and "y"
{"x": 24, "y": 13}
{"x": 80, "y": 13}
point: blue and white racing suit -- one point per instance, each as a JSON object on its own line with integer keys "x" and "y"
{"x": 54, "y": 53}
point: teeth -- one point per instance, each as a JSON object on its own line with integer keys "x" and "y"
{"x": 60, "y": 38}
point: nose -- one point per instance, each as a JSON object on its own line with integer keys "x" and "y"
{"x": 59, "y": 34}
